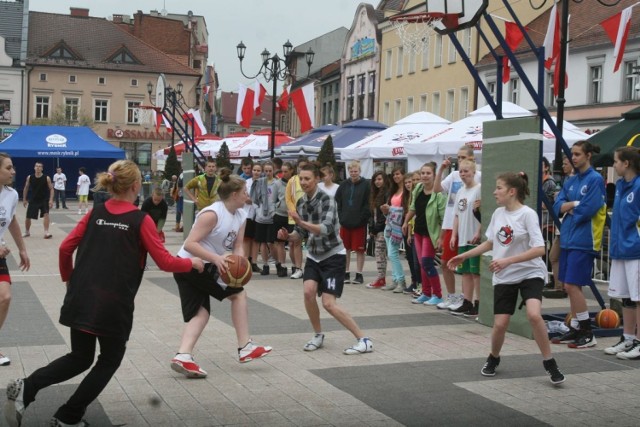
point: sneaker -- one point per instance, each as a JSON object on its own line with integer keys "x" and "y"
{"x": 26, "y": 234}
{"x": 347, "y": 277}
{"x": 4, "y": 360}
{"x": 282, "y": 271}
{"x": 585, "y": 339}
{"x": 555, "y": 376}
{"x": 421, "y": 299}
{"x": 409, "y": 289}
{"x": 390, "y": 286}
{"x": 473, "y": 312}
{"x": 265, "y": 270}
{"x": 48, "y": 236}
{"x": 457, "y": 302}
{"x": 314, "y": 343}
{"x": 566, "y": 338}
{"x": 489, "y": 368}
{"x": 184, "y": 364}
{"x": 619, "y": 347}
{"x": 632, "y": 354}
{"x": 464, "y": 308}
{"x": 297, "y": 274}
{"x": 379, "y": 283}
{"x": 434, "y": 300}
{"x": 400, "y": 288}
{"x": 255, "y": 268}
{"x": 79, "y": 211}
{"x": 251, "y": 351}
{"x": 450, "y": 299}
{"x": 57, "y": 423}
{"x": 359, "y": 280}
{"x": 14, "y": 406}
{"x": 364, "y": 345}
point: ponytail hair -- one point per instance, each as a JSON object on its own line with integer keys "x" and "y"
{"x": 519, "y": 181}
{"x": 229, "y": 184}
{"x": 587, "y": 147}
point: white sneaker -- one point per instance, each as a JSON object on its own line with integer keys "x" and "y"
{"x": 297, "y": 274}
{"x": 447, "y": 302}
{"x": 314, "y": 343}
{"x": 619, "y": 347}
{"x": 364, "y": 345}
{"x": 4, "y": 360}
{"x": 632, "y": 354}
{"x": 457, "y": 302}
{"x": 79, "y": 211}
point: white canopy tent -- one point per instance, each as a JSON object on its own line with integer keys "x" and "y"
{"x": 389, "y": 143}
{"x": 468, "y": 131}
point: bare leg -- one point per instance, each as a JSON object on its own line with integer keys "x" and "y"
{"x": 449, "y": 279}
{"x": 629, "y": 317}
{"x": 27, "y": 225}
{"x": 297, "y": 250}
{"x": 254, "y": 250}
{"x": 279, "y": 253}
{"x": 240, "y": 317}
{"x": 46, "y": 224}
{"x": 246, "y": 245}
{"x": 348, "y": 262}
{"x": 311, "y": 305}
{"x": 476, "y": 286}
{"x": 192, "y": 331}
{"x": 331, "y": 305}
{"x": 637, "y": 320}
{"x": 360, "y": 261}
{"x": 264, "y": 251}
{"x": 540, "y": 333}
{"x": 467, "y": 287}
{"x": 576, "y": 298}
{"x": 500, "y": 325}
{"x": 5, "y": 301}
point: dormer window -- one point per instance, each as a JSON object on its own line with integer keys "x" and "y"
{"x": 61, "y": 51}
{"x": 123, "y": 56}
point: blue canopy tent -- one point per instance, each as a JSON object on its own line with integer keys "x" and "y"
{"x": 295, "y": 147}
{"x": 59, "y": 146}
{"x": 342, "y": 137}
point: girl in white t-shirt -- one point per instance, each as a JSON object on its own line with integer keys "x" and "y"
{"x": 515, "y": 237}
{"x": 328, "y": 185}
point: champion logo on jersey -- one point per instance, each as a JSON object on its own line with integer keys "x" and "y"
{"x": 630, "y": 198}
{"x": 117, "y": 225}
{"x": 505, "y": 235}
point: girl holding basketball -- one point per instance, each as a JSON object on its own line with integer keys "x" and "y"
{"x": 218, "y": 228}
{"x": 516, "y": 240}
{"x": 624, "y": 251}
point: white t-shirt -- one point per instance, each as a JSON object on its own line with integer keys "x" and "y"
{"x": 467, "y": 223}
{"x": 451, "y": 184}
{"x": 83, "y": 185}
{"x": 8, "y": 203}
{"x": 59, "y": 181}
{"x": 513, "y": 233}
{"x": 331, "y": 191}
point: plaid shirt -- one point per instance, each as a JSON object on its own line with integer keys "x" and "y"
{"x": 320, "y": 209}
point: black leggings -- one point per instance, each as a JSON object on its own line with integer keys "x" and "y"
{"x": 83, "y": 349}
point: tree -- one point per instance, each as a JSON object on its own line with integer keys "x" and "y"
{"x": 326, "y": 154}
{"x": 222, "y": 158}
{"x": 172, "y": 165}
{"x": 61, "y": 116}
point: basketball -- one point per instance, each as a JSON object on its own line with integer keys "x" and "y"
{"x": 238, "y": 271}
{"x": 607, "y": 319}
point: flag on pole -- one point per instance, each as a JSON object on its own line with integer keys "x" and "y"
{"x": 259, "y": 92}
{"x": 167, "y": 123}
{"x": 303, "y": 102}
{"x": 513, "y": 37}
{"x": 206, "y": 90}
{"x": 552, "y": 48}
{"x": 244, "y": 108}
{"x": 617, "y": 28}
{"x": 283, "y": 102}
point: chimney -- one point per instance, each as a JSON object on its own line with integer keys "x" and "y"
{"x": 79, "y": 11}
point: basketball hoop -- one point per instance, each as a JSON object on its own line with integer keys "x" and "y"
{"x": 145, "y": 114}
{"x": 415, "y": 29}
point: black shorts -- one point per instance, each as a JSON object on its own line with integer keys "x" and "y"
{"x": 505, "y": 297}
{"x": 4, "y": 271}
{"x": 37, "y": 207}
{"x": 265, "y": 233}
{"x": 195, "y": 289}
{"x": 249, "y": 229}
{"x": 328, "y": 274}
{"x": 279, "y": 222}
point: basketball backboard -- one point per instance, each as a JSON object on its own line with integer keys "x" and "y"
{"x": 468, "y": 13}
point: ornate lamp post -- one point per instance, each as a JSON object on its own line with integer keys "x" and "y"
{"x": 273, "y": 69}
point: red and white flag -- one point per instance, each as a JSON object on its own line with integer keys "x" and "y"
{"x": 167, "y": 123}
{"x": 617, "y": 28}
{"x": 303, "y": 102}
{"x": 206, "y": 90}
{"x": 244, "y": 108}
{"x": 552, "y": 49}
{"x": 259, "y": 92}
{"x": 513, "y": 37}
{"x": 198, "y": 125}
{"x": 283, "y": 102}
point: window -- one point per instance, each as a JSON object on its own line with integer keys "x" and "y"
{"x": 372, "y": 95}
{"x": 466, "y": 41}
{"x": 123, "y": 56}
{"x": 514, "y": 91}
{"x": 398, "y": 110}
{"x": 132, "y": 115}
{"x": 350, "y": 97}
{"x": 450, "y": 105}
{"x": 61, "y": 52}
{"x": 629, "y": 92}
{"x": 102, "y": 80}
{"x": 423, "y": 102}
{"x": 385, "y": 112}
{"x": 438, "y": 54}
{"x": 73, "y": 79}
{"x": 134, "y": 82}
{"x": 388, "y": 63}
{"x": 43, "y": 77}
{"x": 197, "y": 64}
{"x": 100, "y": 110}
{"x": 329, "y": 112}
{"x": 400, "y": 64}
{"x": 595, "y": 88}
{"x": 464, "y": 102}
{"x": 491, "y": 87}
{"x": 425, "y": 56}
{"x": 139, "y": 152}
{"x": 435, "y": 103}
{"x": 550, "y": 100}
{"x": 42, "y": 107}
{"x": 412, "y": 62}
{"x": 71, "y": 109}
{"x": 410, "y": 105}
{"x": 452, "y": 52}
{"x": 362, "y": 90}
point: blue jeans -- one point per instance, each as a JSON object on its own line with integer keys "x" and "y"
{"x": 393, "y": 253}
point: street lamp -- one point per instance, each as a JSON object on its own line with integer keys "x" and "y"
{"x": 273, "y": 69}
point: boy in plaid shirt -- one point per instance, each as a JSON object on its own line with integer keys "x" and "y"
{"x": 316, "y": 220}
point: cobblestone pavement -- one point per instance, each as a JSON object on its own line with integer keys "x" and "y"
{"x": 425, "y": 369}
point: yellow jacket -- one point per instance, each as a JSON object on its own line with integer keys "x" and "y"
{"x": 292, "y": 194}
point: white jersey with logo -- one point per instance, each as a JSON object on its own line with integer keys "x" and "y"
{"x": 513, "y": 233}
{"x": 8, "y": 204}
{"x": 450, "y": 185}
{"x": 59, "y": 181}
{"x": 83, "y": 185}
{"x": 467, "y": 223}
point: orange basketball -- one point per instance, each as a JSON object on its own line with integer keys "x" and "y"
{"x": 607, "y": 319}
{"x": 238, "y": 271}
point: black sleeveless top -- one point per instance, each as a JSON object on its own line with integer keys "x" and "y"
{"x": 39, "y": 188}
{"x": 106, "y": 277}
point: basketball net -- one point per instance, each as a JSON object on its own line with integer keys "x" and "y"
{"x": 145, "y": 115}
{"x": 415, "y": 33}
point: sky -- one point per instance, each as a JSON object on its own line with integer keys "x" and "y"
{"x": 258, "y": 23}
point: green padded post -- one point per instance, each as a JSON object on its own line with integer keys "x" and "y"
{"x": 189, "y": 208}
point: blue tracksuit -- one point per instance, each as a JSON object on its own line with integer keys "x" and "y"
{"x": 625, "y": 223}
{"x": 583, "y": 229}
